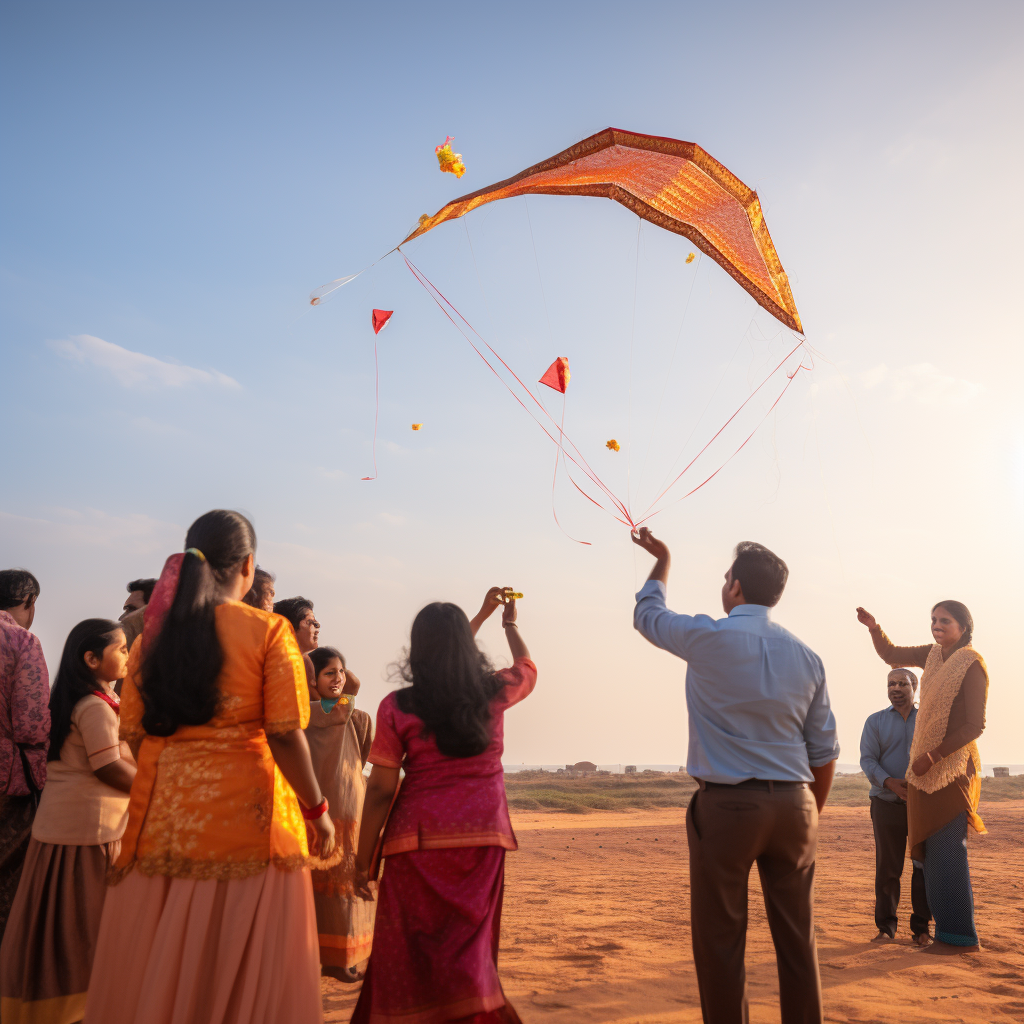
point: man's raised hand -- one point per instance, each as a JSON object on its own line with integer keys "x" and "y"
{"x": 645, "y": 539}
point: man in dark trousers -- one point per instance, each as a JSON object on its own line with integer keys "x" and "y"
{"x": 763, "y": 749}
{"x": 884, "y": 756}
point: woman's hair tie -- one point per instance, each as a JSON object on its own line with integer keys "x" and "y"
{"x": 196, "y": 552}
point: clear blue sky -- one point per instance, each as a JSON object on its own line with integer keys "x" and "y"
{"x": 177, "y": 178}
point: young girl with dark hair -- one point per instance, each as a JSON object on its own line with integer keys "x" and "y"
{"x": 47, "y": 952}
{"x": 435, "y": 943}
{"x": 210, "y": 917}
{"x": 944, "y": 777}
{"x": 339, "y": 737}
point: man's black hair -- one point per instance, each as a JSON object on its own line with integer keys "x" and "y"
{"x": 146, "y": 586}
{"x": 761, "y": 573}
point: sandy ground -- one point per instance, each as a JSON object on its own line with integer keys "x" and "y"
{"x": 596, "y": 927}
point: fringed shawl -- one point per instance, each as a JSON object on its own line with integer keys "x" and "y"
{"x": 940, "y": 684}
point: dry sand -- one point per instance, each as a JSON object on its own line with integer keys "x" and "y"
{"x": 596, "y": 927}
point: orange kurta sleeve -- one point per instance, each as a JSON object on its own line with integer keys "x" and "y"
{"x": 285, "y": 693}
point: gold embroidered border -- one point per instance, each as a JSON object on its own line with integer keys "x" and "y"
{"x": 721, "y": 175}
{"x": 207, "y": 870}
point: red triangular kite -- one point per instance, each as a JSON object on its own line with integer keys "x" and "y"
{"x": 380, "y": 318}
{"x": 556, "y": 376}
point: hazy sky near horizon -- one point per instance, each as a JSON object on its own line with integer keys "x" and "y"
{"x": 177, "y": 178}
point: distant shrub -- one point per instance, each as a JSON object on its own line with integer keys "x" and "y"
{"x": 524, "y": 803}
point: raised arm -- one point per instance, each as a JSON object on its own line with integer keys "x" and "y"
{"x": 493, "y": 599}
{"x": 516, "y": 644}
{"x": 897, "y": 657}
{"x": 663, "y": 559}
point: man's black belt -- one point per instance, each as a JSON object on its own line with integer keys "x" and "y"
{"x": 763, "y": 784}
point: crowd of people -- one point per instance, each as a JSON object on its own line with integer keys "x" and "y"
{"x": 187, "y": 833}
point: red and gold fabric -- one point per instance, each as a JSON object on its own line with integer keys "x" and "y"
{"x": 209, "y": 802}
{"x": 673, "y": 184}
{"x": 446, "y": 802}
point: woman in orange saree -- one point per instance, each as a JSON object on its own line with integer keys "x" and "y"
{"x": 210, "y": 916}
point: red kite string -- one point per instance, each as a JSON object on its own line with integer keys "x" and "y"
{"x": 648, "y": 513}
{"x": 376, "y": 411}
{"x": 378, "y": 321}
{"x": 574, "y": 455}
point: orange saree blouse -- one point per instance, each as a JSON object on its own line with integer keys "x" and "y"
{"x": 209, "y": 802}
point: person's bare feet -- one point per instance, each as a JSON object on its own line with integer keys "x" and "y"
{"x": 940, "y": 948}
{"x": 883, "y": 937}
{"x": 922, "y": 939}
{"x": 348, "y": 975}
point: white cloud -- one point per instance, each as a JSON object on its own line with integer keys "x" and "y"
{"x": 74, "y": 528}
{"x": 134, "y": 369}
{"x": 921, "y": 382}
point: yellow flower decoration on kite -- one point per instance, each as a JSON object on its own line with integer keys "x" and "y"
{"x": 691, "y": 257}
{"x": 612, "y": 445}
{"x": 450, "y": 162}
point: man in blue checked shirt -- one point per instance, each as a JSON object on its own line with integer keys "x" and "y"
{"x": 884, "y": 756}
{"x": 763, "y": 749}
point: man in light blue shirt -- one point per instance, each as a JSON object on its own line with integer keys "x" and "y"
{"x": 762, "y": 748}
{"x": 884, "y": 756}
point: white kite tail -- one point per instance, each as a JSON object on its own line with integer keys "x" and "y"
{"x": 319, "y": 294}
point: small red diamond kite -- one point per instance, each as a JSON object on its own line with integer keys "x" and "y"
{"x": 380, "y": 318}
{"x": 556, "y": 376}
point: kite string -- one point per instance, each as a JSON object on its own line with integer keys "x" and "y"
{"x": 559, "y": 454}
{"x": 576, "y": 457}
{"x": 728, "y": 421}
{"x": 703, "y": 413}
{"x": 444, "y": 305}
{"x": 668, "y": 375}
{"x": 580, "y": 464}
{"x": 792, "y": 377}
{"x": 376, "y": 411}
{"x": 632, "y": 334}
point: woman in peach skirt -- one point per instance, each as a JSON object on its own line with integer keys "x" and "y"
{"x": 210, "y": 918}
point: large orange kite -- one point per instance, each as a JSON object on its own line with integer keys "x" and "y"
{"x": 673, "y": 184}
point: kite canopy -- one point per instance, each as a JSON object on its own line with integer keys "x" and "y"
{"x": 556, "y": 376}
{"x": 379, "y": 319}
{"x": 673, "y": 184}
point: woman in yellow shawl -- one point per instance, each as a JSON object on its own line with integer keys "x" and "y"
{"x": 944, "y": 777}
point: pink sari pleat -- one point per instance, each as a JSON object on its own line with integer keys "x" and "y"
{"x": 179, "y": 951}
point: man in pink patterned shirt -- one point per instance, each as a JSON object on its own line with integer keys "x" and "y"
{"x": 24, "y": 726}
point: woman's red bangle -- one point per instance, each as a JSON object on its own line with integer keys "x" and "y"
{"x": 312, "y": 813}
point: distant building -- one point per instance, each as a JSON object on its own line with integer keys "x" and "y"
{"x": 582, "y": 766}
{"x": 1001, "y": 773}
{"x": 631, "y": 769}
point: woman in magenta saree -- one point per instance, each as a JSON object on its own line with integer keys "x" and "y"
{"x": 435, "y": 945}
